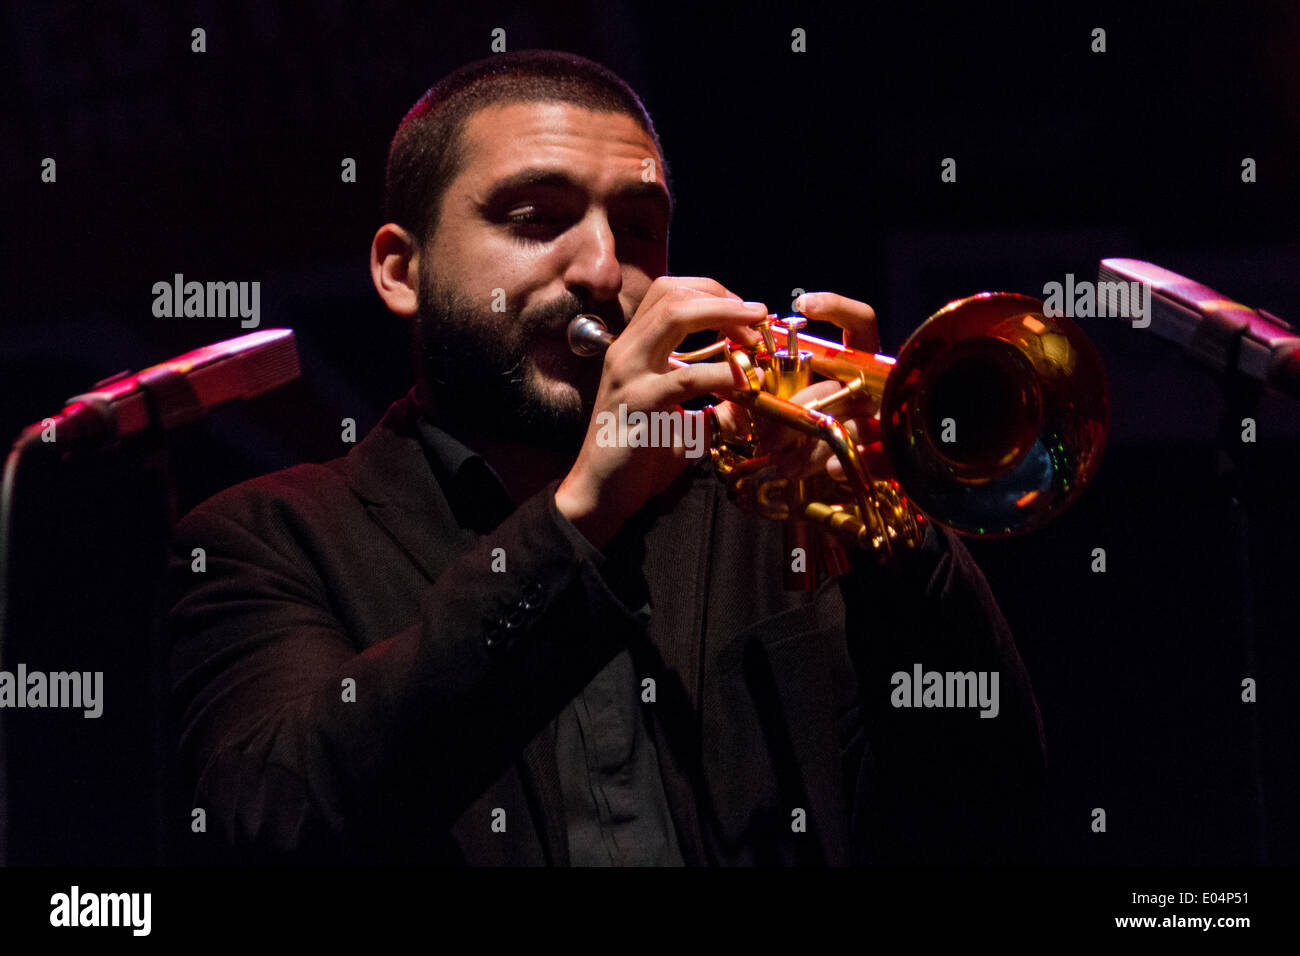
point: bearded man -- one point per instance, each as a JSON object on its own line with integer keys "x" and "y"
{"x": 486, "y": 637}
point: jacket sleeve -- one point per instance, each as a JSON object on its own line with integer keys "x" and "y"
{"x": 939, "y": 784}
{"x": 304, "y": 746}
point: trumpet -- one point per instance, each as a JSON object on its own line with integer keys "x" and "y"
{"x": 993, "y": 418}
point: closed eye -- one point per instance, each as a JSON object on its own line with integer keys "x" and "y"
{"x": 533, "y": 223}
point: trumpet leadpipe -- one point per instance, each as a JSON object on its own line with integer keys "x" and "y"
{"x": 588, "y": 336}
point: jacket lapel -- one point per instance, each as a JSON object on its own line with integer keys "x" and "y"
{"x": 392, "y": 475}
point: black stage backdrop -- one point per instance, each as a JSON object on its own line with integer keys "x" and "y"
{"x": 818, "y": 169}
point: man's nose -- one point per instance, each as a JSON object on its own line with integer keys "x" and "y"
{"x": 594, "y": 265}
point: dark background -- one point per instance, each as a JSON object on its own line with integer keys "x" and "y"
{"x": 818, "y": 171}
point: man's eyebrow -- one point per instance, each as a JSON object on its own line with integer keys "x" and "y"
{"x": 533, "y": 177}
{"x": 554, "y": 179}
{"x": 652, "y": 192}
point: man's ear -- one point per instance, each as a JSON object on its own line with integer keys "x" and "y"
{"x": 394, "y": 268}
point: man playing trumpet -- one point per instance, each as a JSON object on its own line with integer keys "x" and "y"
{"x": 485, "y": 637}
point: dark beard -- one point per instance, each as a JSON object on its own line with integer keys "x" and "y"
{"x": 476, "y": 369}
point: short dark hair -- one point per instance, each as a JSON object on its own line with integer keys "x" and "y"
{"x": 427, "y": 151}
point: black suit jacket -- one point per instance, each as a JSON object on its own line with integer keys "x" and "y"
{"x": 354, "y": 682}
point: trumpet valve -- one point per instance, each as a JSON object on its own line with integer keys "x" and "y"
{"x": 764, "y": 328}
{"x": 791, "y": 369}
{"x": 793, "y": 325}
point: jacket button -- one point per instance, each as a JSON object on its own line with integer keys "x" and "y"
{"x": 494, "y": 635}
{"x": 534, "y": 594}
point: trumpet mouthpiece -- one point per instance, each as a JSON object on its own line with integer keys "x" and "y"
{"x": 588, "y": 336}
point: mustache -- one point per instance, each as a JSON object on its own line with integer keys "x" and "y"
{"x": 554, "y": 317}
{"x": 549, "y": 321}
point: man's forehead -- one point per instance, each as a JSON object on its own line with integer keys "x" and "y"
{"x": 500, "y": 139}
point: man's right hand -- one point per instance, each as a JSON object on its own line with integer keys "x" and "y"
{"x": 608, "y": 483}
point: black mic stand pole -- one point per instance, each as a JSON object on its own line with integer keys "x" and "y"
{"x": 1241, "y": 399}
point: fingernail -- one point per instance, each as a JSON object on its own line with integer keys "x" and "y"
{"x": 805, "y": 302}
{"x": 756, "y": 307}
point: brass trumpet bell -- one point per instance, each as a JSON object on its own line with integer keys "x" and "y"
{"x": 995, "y": 415}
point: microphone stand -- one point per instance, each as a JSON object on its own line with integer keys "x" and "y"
{"x": 1241, "y": 399}
{"x": 1245, "y": 349}
{"x": 132, "y": 486}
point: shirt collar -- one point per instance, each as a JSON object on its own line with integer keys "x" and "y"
{"x": 475, "y": 491}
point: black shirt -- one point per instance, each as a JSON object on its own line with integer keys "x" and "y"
{"x": 616, "y": 813}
